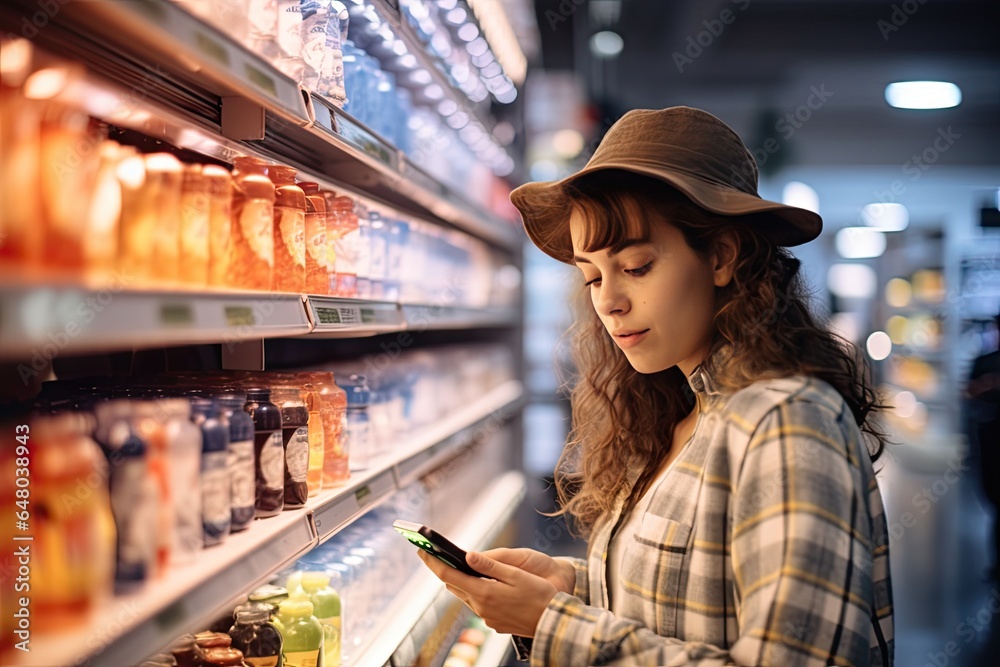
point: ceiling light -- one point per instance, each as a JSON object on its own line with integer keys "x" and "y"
{"x": 447, "y": 4}
{"x": 891, "y": 217}
{"x": 46, "y": 83}
{"x": 457, "y": 16}
{"x": 879, "y": 345}
{"x": 506, "y": 96}
{"x": 421, "y": 76}
{"x": 923, "y": 95}
{"x": 477, "y": 47}
{"x": 434, "y": 92}
{"x": 567, "y": 143}
{"x": 447, "y": 107}
{"x": 606, "y": 44}
{"x": 544, "y": 170}
{"x": 852, "y": 281}
{"x": 800, "y": 195}
{"x": 898, "y": 293}
{"x": 409, "y": 61}
{"x": 860, "y": 243}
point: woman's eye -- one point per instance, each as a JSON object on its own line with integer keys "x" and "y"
{"x": 641, "y": 271}
{"x": 592, "y": 282}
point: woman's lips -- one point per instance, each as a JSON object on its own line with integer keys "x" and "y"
{"x": 626, "y": 341}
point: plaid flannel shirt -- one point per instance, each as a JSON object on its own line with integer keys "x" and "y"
{"x": 765, "y": 544}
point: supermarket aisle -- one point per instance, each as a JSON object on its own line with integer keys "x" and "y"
{"x": 939, "y": 532}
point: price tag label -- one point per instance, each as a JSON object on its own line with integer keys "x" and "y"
{"x": 211, "y": 48}
{"x": 342, "y": 316}
{"x": 363, "y": 495}
{"x": 261, "y": 80}
{"x": 238, "y": 316}
{"x": 176, "y": 314}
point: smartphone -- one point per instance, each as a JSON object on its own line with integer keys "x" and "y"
{"x": 435, "y": 544}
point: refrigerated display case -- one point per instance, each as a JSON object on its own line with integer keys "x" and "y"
{"x": 159, "y": 79}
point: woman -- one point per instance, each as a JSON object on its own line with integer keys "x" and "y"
{"x": 717, "y": 460}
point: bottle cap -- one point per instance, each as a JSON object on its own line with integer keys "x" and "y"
{"x": 313, "y": 581}
{"x": 257, "y": 186}
{"x": 296, "y": 607}
{"x": 282, "y": 174}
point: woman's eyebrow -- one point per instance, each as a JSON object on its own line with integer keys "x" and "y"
{"x": 625, "y": 244}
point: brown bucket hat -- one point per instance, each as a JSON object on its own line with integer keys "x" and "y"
{"x": 690, "y": 150}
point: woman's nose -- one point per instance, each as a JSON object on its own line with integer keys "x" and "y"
{"x": 610, "y": 299}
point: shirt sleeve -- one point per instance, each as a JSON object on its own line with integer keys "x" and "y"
{"x": 801, "y": 554}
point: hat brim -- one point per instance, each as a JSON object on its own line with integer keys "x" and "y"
{"x": 545, "y": 209}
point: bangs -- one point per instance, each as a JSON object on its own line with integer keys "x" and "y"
{"x": 613, "y": 217}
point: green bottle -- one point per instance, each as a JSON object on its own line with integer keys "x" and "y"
{"x": 326, "y": 607}
{"x": 302, "y": 633}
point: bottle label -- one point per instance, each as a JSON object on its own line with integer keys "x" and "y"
{"x": 297, "y": 454}
{"x": 346, "y": 249}
{"x": 272, "y": 462}
{"x": 257, "y": 222}
{"x": 302, "y": 658}
{"x": 316, "y": 244}
{"x": 215, "y": 487}
{"x": 241, "y": 472}
{"x": 293, "y": 233}
{"x": 269, "y": 661}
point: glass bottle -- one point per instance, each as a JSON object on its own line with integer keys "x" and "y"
{"x": 241, "y": 458}
{"x": 347, "y": 243}
{"x": 289, "y": 231}
{"x": 301, "y": 633}
{"x": 164, "y": 175}
{"x": 358, "y": 421}
{"x": 268, "y": 453}
{"x": 255, "y": 635}
{"x": 332, "y": 236}
{"x": 295, "y": 440}
{"x": 364, "y": 256}
{"x": 317, "y": 264}
{"x": 220, "y": 221}
{"x": 195, "y": 222}
{"x": 326, "y": 608}
{"x": 251, "y": 258}
{"x": 138, "y": 219}
{"x": 216, "y": 507}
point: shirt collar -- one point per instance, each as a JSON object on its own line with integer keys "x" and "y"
{"x": 701, "y": 380}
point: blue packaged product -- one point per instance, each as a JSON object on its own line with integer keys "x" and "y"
{"x": 216, "y": 508}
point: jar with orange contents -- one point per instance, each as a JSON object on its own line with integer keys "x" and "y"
{"x": 289, "y": 231}
{"x": 251, "y": 258}
{"x": 317, "y": 260}
{"x": 347, "y": 246}
{"x": 333, "y": 413}
{"x": 220, "y": 215}
{"x": 164, "y": 177}
{"x": 195, "y": 213}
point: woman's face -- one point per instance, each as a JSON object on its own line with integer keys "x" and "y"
{"x": 656, "y": 298}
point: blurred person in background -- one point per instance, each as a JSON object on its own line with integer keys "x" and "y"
{"x": 720, "y": 461}
{"x": 983, "y": 395}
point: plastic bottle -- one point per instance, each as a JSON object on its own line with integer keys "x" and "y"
{"x": 269, "y": 455}
{"x": 255, "y": 635}
{"x": 195, "y": 219}
{"x": 333, "y": 416}
{"x": 358, "y": 421}
{"x": 216, "y": 504}
{"x": 379, "y": 257}
{"x": 133, "y": 500}
{"x": 295, "y": 440}
{"x": 183, "y": 438}
{"x": 317, "y": 250}
{"x": 356, "y": 75}
{"x": 251, "y": 259}
{"x": 314, "y": 404}
{"x": 72, "y": 525}
{"x": 241, "y": 458}
{"x": 220, "y": 221}
{"x": 301, "y": 632}
{"x": 326, "y": 608}
{"x": 289, "y": 231}
{"x": 364, "y": 261}
{"x": 347, "y": 244}
{"x": 399, "y": 233}
{"x": 100, "y": 243}
{"x": 164, "y": 176}
{"x": 152, "y": 431}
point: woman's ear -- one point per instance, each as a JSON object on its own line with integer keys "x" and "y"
{"x": 727, "y": 249}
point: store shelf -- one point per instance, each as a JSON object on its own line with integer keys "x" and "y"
{"x": 335, "y": 509}
{"x": 350, "y": 318}
{"x": 126, "y": 628}
{"x": 167, "y": 35}
{"x": 438, "y": 317}
{"x": 481, "y": 524}
{"x": 48, "y": 321}
{"x": 494, "y": 650}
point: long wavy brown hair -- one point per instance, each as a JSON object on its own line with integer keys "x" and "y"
{"x": 624, "y": 420}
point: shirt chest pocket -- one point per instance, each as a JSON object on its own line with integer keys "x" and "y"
{"x": 654, "y": 572}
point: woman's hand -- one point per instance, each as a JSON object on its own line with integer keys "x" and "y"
{"x": 559, "y": 573}
{"x": 511, "y": 601}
